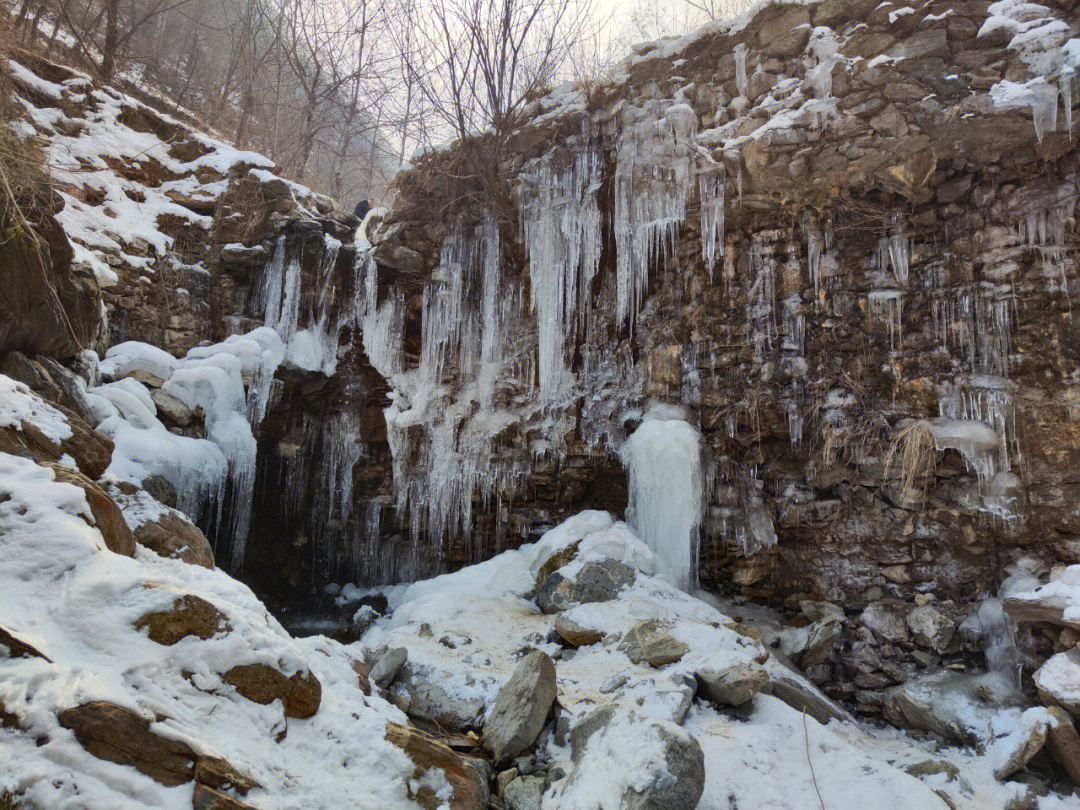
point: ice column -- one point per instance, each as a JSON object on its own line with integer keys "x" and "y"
{"x": 663, "y": 458}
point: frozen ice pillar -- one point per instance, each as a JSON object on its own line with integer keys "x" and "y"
{"x": 663, "y": 459}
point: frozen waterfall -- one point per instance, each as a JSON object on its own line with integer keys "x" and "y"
{"x": 663, "y": 458}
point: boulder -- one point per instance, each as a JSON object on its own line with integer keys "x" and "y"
{"x": 1065, "y": 742}
{"x": 119, "y": 735}
{"x": 91, "y": 450}
{"x": 1058, "y": 681}
{"x": 469, "y": 790}
{"x": 667, "y": 764}
{"x": 931, "y": 628}
{"x": 1013, "y": 751}
{"x": 524, "y": 793}
{"x": 597, "y": 581}
{"x": 887, "y": 620}
{"x": 728, "y": 681}
{"x": 171, "y": 408}
{"x": 821, "y": 638}
{"x": 260, "y": 683}
{"x": 649, "y": 642}
{"x": 400, "y": 258}
{"x": 219, "y": 774}
{"x": 816, "y": 611}
{"x": 521, "y": 708}
{"x": 386, "y": 668}
{"x": 189, "y": 615}
{"x": 422, "y": 692}
{"x": 574, "y": 634}
{"x": 17, "y": 648}
{"x": 108, "y": 519}
{"x": 173, "y": 535}
{"x": 47, "y": 306}
{"x": 800, "y": 694}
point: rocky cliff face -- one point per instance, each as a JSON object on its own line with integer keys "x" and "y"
{"x": 793, "y": 293}
{"x": 837, "y": 238}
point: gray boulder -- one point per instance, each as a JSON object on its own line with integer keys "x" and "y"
{"x": 388, "y": 666}
{"x": 668, "y": 764}
{"x": 598, "y": 581}
{"x": 931, "y": 628}
{"x": 521, "y": 708}
{"x": 821, "y": 637}
{"x": 887, "y": 620}
{"x": 648, "y": 642}
{"x": 731, "y": 683}
{"x": 421, "y": 692}
{"x": 524, "y": 793}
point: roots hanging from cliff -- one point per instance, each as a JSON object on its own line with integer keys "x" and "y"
{"x": 914, "y": 456}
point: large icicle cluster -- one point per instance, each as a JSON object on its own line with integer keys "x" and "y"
{"x": 561, "y": 227}
{"x": 656, "y": 163}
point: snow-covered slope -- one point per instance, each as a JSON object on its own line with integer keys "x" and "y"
{"x": 133, "y": 179}
{"x": 121, "y": 678}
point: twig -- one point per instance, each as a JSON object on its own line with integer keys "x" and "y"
{"x": 806, "y": 743}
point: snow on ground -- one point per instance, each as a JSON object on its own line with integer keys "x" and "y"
{"x": 126, "y": 173}
{"x": 63, "y": 593}
{"x": 466, "y": 629}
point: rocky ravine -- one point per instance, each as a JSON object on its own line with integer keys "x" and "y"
{"x": 793, "y": 294}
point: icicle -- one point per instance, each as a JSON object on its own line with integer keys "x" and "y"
{"x": 815, "y": 248}
{"x": 887, "y": 306}
{"x": 894, "y": 251}
{"x": 1066, "y": 80}
{"x": 989, "y": 400}
{"x": 740, "y": 69}
{"x": 761, "y": 298}
{"x": 381, "y": 327}
{"x": 711, "y": 194}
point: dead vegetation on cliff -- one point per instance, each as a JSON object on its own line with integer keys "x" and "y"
{"x": 912, "y": 458}
{"x": 24, "y": 184}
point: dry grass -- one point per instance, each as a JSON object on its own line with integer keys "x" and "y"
{"x": 25, "y": 189}
{"x": 913, "y": 456}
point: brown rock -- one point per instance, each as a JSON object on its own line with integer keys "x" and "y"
{"x": 46, "y": 306}
{"x": 206, "y": 798}
{"x": 17, "y": 648}
{"x": 469, "y": 790}
{"x": 189, "y": 615}
{"x": 261, "y": 683}
{"x": 219, "y": 774}
{"x": 363, "y": 676}
{"x": 911, "y": 175}
{"x": 91, "y": 450}
{"x": 172, "y": 535}
{"x": 118, "y": 735}
{"x": 1065, "y": 743}
{"x": 108, "y": 518}
{"x": 783, "y": 30}
{"x": 574, "y": 634}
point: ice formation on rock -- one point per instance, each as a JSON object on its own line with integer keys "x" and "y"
{"x": 656, "y": 161}
{"x": 561, "y": 227}
{"x": 887, "y": 307}
{"x": 663, "y": 458}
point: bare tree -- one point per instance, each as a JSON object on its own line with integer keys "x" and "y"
{"x": 478, "y": 63}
